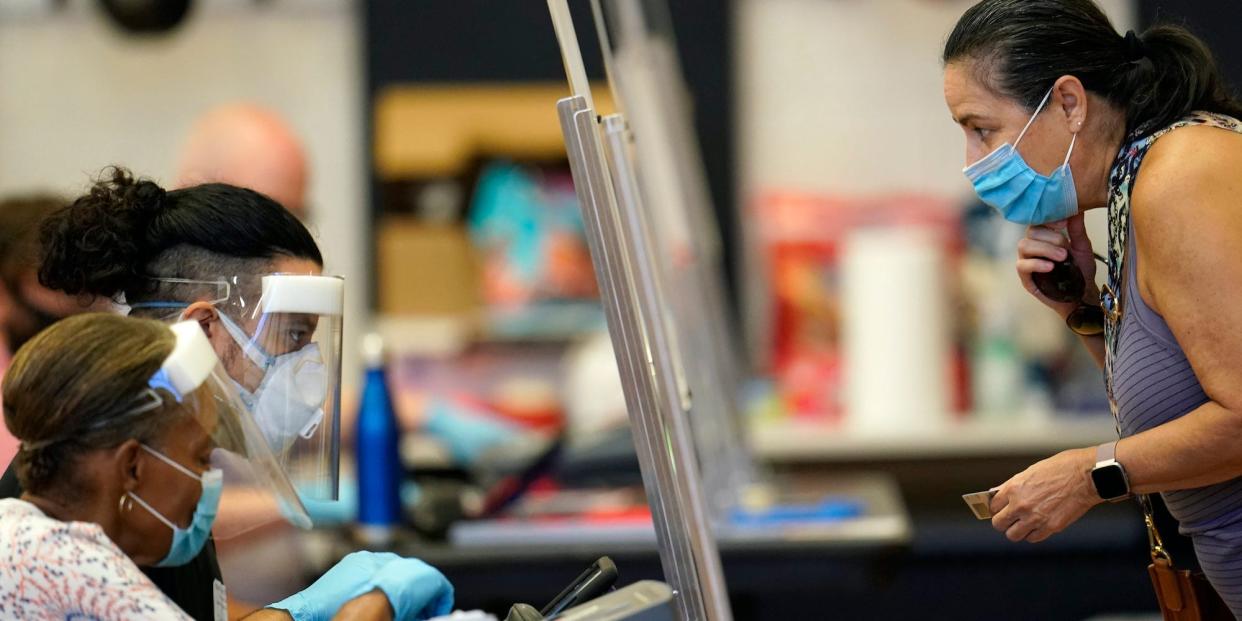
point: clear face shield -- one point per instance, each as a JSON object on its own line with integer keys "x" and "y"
{"x": 282, "y": 355}
{"x": 193, "y": 380}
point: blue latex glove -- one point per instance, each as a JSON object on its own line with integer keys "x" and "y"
{"x": 328, "y": 513}
{"x": 467, "y": 434}
{"x": 415, "y": 589}
{"x": 333, "y": 513}
{"x": 346, "y": 580}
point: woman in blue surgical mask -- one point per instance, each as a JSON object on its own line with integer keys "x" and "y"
{"x": 126, "y": 427}
{"x": 1062, "y": 114}
{"x": 250, "y": 275}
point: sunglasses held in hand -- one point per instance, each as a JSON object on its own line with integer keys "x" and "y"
{"x": 1065, "y": 283}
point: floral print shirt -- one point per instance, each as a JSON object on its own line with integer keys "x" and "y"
{"x": 51, "y": 569}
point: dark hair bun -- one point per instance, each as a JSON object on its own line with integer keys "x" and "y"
{"x": 99, "y": 245}
{"x": 125, "y": 229}
{"x": 1181, "y": 76}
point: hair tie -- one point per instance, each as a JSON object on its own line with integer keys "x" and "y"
{"x": 31, "y": 447}
{"x": 149, "y": 197}
{"x": 1135, "y": 50}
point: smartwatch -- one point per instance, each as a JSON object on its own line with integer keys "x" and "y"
{"x": 1109, "y": 476}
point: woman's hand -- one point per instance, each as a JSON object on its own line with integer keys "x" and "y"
{"x": 414, "y": 589}
{"x": 1046, "y": 244}
{"x": 371, "y": 606}
{"x": 1046, "y": 498}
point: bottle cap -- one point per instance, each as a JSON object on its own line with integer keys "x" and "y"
{"x": 373, "y": 349}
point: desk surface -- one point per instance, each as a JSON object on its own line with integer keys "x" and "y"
{"x": 1095, "y": 566}
{"x": 883, "y": 522}
{"x": 851, "y": 553}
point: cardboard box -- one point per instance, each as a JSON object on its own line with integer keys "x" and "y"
{"x": 425, "y": 269}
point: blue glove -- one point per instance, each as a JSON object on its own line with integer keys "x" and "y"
{"x": 328, "y": 513}
{"x": 415, "y": 589}
{"x": 346, "y": 580}
{"x": 333, "y": 513}
{"x": 466, "y": 433}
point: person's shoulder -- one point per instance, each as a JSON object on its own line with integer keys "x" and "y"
{"x": 17, "y": 505}
{"x": 47, "y": 564}
{"x": 26, "y": 531}
{"x": 29, "y": 533}
{"x": 15, "y": 511}
{"x": 1191, "y": 154}
{"x": 23, "y": 522}
{"x": 1189, "y": 176}
{"x": 1184, "y": 202}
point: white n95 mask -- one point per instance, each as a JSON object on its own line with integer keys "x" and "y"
{"x": 288, "y": 403}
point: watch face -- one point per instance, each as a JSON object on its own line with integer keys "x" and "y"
{"x": 1110, "y": 482}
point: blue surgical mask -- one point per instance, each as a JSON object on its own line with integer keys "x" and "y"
{"x": 188, "y": 542}
{"x": 1005, "y": 181}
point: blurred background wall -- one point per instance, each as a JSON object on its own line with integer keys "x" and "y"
{"x": 77, "y": 95}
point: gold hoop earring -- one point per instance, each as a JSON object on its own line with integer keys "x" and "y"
{"x": 125, "y": 504}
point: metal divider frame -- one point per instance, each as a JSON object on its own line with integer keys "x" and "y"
{"x": 646, "y": 358}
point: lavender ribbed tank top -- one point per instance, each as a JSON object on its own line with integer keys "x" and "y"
{"x": 1153, "y": 383}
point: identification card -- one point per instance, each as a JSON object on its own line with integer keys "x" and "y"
{"x": 980, "y": 503}
{"x": 220, "y": 601}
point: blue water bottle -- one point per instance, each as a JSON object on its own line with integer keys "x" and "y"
{"x": 376, "y": 452}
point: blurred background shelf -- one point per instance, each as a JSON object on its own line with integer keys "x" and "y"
{"x": 441, "y": 129}
{"x": 791, "y": 442}
{"x": 450, "y": 334}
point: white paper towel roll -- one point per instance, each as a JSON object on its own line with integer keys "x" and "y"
{"x": 895, "y": 331}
